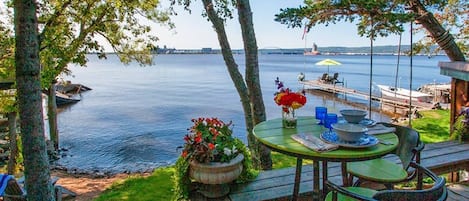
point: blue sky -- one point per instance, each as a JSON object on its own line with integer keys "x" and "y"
{"x": 194, "y": 32}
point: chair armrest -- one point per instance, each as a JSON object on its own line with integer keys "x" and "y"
{"x": 338, "y": 189}
{"x": 420, "y": 146}
{"x": 424, "y": 170}
{"x": 14, "y": 196}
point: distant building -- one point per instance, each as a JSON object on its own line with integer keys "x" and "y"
{"x": 207, "y": 50}
{"x": 163, "y": 50}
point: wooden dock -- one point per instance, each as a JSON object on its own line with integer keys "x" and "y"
{"x": 340, "y": 89}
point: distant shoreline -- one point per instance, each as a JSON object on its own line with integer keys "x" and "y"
{"x": 187, "y": 52}
{"x": 327, "y": 51}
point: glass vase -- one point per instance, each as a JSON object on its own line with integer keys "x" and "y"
{"x": 288, "y": 118}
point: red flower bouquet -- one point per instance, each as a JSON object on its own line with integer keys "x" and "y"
{"x": 290, "y": 101}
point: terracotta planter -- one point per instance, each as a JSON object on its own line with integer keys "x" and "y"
{"x": 216, "y": 172}
{"x": 216, "y": 175}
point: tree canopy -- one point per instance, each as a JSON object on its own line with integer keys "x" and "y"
{"x": 386, "y": 17}
{"x": 70, "y": 29}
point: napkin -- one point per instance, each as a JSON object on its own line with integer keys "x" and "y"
{"x": 313, "y": 142}
{"x": 380, "y": 129}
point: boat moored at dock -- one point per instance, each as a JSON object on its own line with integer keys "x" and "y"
{"x": 404, "y": 94}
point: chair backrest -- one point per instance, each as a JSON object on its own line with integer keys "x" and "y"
{"x": 436, "y": 193}
{"x": 409, "y": 144}
{"x": 336, "y": 75}
{"x": 14, "y": 192}
{"x": 324, "y": 76}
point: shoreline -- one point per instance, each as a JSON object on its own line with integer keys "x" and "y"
{"x": 88, "y": 187}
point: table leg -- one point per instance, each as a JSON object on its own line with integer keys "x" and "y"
{"x": 316, "y": 195}
{"x": 324, "y": 178}
{"x": 296, "y": 187}
{"x": 345, "y": 179}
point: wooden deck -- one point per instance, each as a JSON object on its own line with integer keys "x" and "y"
{"x": 442, "y": 158}
{"x": 458, "y": 191}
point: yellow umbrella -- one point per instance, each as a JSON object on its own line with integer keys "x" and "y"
{"x": 328, "y": 62}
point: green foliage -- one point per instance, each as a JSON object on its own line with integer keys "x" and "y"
{"x": 461, "y": 126}
{"x": 453, "y": 16}
{"x": 248, "y": 173}
{"x": 137, "y": 188}
{"x": 7, "y": 101}
{"x": 71, "y": 29}
{"x": 181, "y": 180}
{"x": 386, "y": 17}
{"x": 7, "y": 67}
{"x": 223, "y": 8}
{"x": 7, "y": 52}
{"x": 280, "y": 161}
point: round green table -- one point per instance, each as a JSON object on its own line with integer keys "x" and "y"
{"x": 273, "y": 135}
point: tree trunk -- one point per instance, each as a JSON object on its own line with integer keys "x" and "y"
{"x": 441, "y": 36}
{"x": 235, "y": 75}
{"x": 36, "y": 166}
{"x": 446, "y": 42}
{"x": 253, "y": 80}
{"x": 12, "y": 164}
{"x": 52, "y": 116}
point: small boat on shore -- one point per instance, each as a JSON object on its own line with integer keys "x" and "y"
{"x": 63, "y": 99}
{"x": 67, "y": 87}
{"x": 66, "y": 91}
{"x": 404, "y": 94}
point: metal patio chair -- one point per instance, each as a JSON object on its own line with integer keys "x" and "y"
{"x": 388, "y": 172}
{"x": 437, "y": 192}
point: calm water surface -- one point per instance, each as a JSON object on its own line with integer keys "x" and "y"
{"x": 135, "y": 117}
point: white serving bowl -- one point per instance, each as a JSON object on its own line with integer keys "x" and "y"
{"x": 349, "y": 132}
{"x": 353, "y": 116}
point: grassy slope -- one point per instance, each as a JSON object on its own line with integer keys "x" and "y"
{"x": 433, "y": 127}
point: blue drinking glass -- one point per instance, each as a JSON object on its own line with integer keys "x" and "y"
{"x": 330, "y": 119}
{"x": 321, "y": 114}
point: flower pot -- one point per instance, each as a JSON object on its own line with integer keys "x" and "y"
{"x": 216, "y": 175}
{"x": 288, "y": 119}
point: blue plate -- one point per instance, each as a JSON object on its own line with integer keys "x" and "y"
{"x": 365, "y": 141}
{"x": 365, "y": 122}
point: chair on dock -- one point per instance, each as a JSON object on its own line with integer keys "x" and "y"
{"x": 325, "y": 77}
{"x": 335, "y": 79}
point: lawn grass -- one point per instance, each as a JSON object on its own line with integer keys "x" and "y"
{"x": 433, "y": 127}
{"x": 158, "y": 186}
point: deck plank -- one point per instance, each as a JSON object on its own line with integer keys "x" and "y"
{"x": 458, "y": 192}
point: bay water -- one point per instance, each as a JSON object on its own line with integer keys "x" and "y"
{"x": 135, "y": 117}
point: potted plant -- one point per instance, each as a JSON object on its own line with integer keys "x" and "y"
{"x": 461, "y": 125}
{"x": 212, "y": 158}
{"x": 290, "y": 101}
